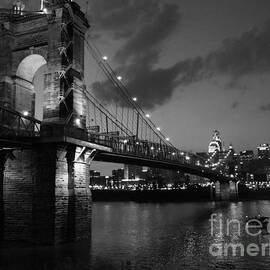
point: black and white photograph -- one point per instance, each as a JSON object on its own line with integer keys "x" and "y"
{"x": 134, "y": 134}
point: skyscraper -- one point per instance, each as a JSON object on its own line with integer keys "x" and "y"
{"x": 263, "y": 151}
{"x": 216, "y": 143}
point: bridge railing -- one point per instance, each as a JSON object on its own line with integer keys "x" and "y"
{"x": 15, "y": 124}
{"x": 144, "y": 149}
{"x": 122, "y": 145}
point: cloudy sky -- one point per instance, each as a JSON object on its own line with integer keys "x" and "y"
{"x": 194, "y": 65}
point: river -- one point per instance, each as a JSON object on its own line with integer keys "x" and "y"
{"x": 129, "y": 235}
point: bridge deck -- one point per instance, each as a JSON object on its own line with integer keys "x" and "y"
{"x": 17, "y": 130}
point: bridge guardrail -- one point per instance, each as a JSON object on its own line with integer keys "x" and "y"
{"x": 15, "y": 124}
{"x": 127, "y": 146}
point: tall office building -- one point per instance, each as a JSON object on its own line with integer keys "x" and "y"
{"x": 216, "y": 143}
{"x": 263, "y": 151}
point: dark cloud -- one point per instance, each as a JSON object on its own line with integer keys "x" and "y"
{"x": 248, "y": 54}
{"x": 107, "y": 89}
{"x": 121, "y": 17}
{"x": 144, "y": 26}
{"x": 235, "y": 105}
{"x": 159, "y": 83}
{"x": 237, "y": 57}
{"x": 265, "y": 108}
{"x": 150, "y": 34}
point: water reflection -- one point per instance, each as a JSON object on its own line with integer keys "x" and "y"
{"x": 68, "y": 256}
{"x": 173, "y": 236}
{"x": 129, "y": 236}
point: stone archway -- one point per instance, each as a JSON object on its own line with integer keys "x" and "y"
{"x": 26, "y": 96}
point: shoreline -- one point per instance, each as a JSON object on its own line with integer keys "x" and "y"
{"x": 188, "y": 195}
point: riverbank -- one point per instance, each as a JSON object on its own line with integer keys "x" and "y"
{"x": 197, "y": 194}
{"x": 177, "y": 195}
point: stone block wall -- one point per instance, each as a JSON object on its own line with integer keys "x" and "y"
{"x": 18, "y": 181}
{"x": 82, "y": 195}
{"x": 2, "y": 167}
{"x": 45, "y": 195}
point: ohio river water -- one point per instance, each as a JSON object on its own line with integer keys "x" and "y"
{"x": 156, "y": 236}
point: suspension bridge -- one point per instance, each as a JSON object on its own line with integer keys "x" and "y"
{"x": 51, "y": 156}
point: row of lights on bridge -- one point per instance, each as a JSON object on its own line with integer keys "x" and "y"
{"x": 153, "y": 148}
{"x": 78, "y": 122}
{"x": 135, "y": 99}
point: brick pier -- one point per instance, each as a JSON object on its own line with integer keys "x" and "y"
{"x": 44, "y": 186}
{"x": 226, "y": 191}
{"x": 46, "y": 197}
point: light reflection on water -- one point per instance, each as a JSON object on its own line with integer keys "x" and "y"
{"x": 172, "y": 236}
{"x": 150, "y": 236}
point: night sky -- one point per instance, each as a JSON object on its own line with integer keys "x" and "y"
{"x": 194, "y": 65}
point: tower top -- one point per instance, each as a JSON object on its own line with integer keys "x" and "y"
{"x": 216, "y": 143}
{"x": 216, "y": 135}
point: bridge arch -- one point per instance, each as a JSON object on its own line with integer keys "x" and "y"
{"x": 29, "y": 66}
{"x": 28, "y": 92}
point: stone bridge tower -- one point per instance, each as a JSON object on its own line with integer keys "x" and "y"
{"x": 44, "y": 189}
{"x": 55, "y": 38}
